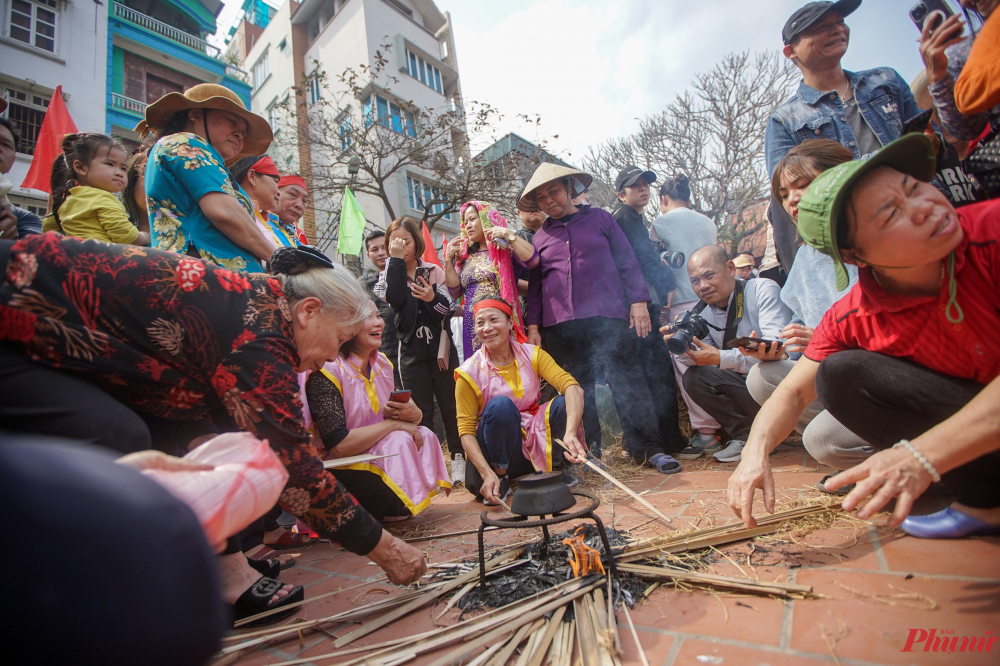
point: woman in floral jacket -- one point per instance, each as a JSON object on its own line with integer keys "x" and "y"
{"x": 195, "y": 206}
{"x": 124, "y": 346}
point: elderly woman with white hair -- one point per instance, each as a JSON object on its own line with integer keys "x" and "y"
{"x": 130, "y": 348}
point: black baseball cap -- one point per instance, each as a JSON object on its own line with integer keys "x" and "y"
{"x": 808, "y": 14}
{"x": 630, "y": 174}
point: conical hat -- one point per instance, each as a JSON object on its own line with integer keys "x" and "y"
{"x": 546, "y": 173}
{"x": 210, "y": 96}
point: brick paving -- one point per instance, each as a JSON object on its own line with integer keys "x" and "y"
{"x": 877, "y": 583}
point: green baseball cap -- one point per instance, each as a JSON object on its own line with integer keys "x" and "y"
{"x": 821, "y": 205}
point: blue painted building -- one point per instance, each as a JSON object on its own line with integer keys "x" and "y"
{"x": 159, "y": 46}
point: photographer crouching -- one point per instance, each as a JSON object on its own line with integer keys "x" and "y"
{"x": 729, "y": 312}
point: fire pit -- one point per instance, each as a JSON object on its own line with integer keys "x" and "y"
{"x": 539, "y": 495}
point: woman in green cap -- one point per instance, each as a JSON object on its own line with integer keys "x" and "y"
{"x": 908, "y": 359}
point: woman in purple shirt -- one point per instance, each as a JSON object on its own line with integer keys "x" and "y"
{"x": 587, "y": 318}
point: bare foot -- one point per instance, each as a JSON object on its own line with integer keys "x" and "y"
{"x": 238, "y": 577}
{"x": 991, "y": 516}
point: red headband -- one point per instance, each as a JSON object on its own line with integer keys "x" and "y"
{"x": 266, "y": 166}
{"x": 294, "y": 179}
{"x": 490, "y": 303}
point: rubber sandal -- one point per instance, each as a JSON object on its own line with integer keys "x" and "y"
{"x": 290, "y": 540}
{"x": 843, "y": 490}
{"x": 665, "y": 464}
{"x": 269, "y": 568}
{"x": 267, "y": 553}
{"x": 257, "y": 599}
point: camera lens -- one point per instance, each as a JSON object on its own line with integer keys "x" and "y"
{"x": 919, "y": 11}
{"x": 680, "y": 342}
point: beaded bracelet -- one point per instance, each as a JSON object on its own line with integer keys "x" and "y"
{"x": 920, "y": 457}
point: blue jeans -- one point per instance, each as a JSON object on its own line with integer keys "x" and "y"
{"x": 499, "y": 436}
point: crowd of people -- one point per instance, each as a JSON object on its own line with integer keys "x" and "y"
{"x": 192, "y": 305}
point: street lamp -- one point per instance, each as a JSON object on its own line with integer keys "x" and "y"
{"x": 353, "y": 167}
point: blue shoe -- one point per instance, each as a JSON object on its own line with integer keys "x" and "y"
{"x": 947, "y": 524}
{"x": 665, "y": 464}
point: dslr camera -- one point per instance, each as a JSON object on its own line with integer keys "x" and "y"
{"x": 672, "y": 259}
{"x": 687, "y": 325}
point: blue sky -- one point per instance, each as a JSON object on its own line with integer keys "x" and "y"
{"x": 590, "y": 68}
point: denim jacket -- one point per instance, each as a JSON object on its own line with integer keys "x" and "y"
{"x": 884, "y": 100}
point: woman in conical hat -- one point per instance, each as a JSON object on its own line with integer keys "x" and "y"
{"x": 589, "y": 293}
{"x": 479, "y": 263}
{"x": 195, "y": 207}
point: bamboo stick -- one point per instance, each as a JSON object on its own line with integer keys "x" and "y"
{"x": 462, "y": 651}
{"x": 419, "y": 602}
{"x": 635, "y": 636}
{"x": 501, "y": 657}
{"x": 447, "y": 535}
{"x": 628, "y": 490}
{"x": 550, "y": 631}
{"x": 586, "y": 632}
{"x": 742, "y": 584}
{"x": 529, "y": 649}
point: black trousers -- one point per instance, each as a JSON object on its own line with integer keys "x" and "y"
{"x": 658, "y": 369}
{"x": 575, "y": 345}
{"x": 420, "y": 374}
{"x": 883, "y": 399}
{"x": 45, "y": 401}
{"x": 724, "y": 395}
{"x": 125, "y": 573}
{"x": 372, "y": 493}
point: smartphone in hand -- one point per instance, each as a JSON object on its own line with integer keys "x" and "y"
{"x": 925, "y": 10}
{"x": 423, "y": 272}
{"x": 399, "y": 396}
{"x": 753, "y": 343}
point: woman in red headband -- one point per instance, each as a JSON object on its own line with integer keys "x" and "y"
{"x": 258, "y": 176}
{"x": 505, "y": 432}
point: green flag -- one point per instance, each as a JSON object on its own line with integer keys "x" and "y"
{"x": 352, "y": 225}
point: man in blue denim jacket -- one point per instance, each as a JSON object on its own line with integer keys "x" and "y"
{"x": 860, "y": 110}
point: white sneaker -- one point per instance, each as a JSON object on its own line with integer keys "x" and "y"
{"x": 458, "y": 470}
{"x": 732, "y": 453}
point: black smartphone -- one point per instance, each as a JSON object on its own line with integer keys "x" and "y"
{"x": 918, "y": 123}
{"x": 399, "y": 396}
{"x": 922, "y": 12}
{"x": 423, "y": 272}
{"x": 752, "y": 343}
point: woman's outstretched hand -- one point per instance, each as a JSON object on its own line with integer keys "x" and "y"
{"x": 402, "y": 563}
{"x": 887, "y": 474}
{"x": 576, "y": 451}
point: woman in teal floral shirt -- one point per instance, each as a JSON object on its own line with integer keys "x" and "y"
{"x": 194, "y": 205}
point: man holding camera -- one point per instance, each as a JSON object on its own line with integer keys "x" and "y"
{"x": 729, "y": 309}
{"x": 632, "y": 186}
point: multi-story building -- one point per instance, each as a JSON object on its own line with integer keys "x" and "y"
{"x": 45, "y": 44}
{"x": 514, "y": 155}
{"x": 156, "y": 47}
{"x": 332, "y": 36}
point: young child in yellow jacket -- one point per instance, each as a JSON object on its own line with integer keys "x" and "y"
{"x": 84, "y": 181}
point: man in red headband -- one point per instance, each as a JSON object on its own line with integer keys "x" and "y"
{"x": 292, "y": 198}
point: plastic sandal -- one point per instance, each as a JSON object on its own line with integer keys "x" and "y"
{"x": 290, "y": 540}
{"x": 665, "y": 464}
{"x": 843, "y": 490}
{"x": 947, "y": 524}
{"x": 267, "y": 568}
{"x": 268, "y": 553}
{"x": 257, "y": 599}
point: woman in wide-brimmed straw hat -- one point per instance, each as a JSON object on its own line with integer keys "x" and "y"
{"x": 588, "y": 291}
{"x": 194, "y": 205}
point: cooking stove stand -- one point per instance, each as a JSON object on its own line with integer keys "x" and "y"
{"x": 521, "y": 522}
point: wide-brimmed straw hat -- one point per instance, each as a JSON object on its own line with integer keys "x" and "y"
{"x": 209, "y": 96}
{"x": 546, "y": 173}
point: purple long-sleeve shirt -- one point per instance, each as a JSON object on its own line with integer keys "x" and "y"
{"x": 592, "y": 247}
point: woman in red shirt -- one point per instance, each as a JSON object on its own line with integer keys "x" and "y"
{"x": 908, "y": 359}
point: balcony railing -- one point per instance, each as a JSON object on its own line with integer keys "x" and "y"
{"x": 123, "y": 103}
{"x": 172, "y": 33}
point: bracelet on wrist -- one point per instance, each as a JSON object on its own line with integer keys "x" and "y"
{"x": 921, "y": 458}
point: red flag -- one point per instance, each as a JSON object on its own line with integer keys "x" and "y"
{"x": 430, "y": 254}
{"x": 55, "y": 126}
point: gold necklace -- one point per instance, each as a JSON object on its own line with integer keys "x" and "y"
{"x": 879, "y": 282}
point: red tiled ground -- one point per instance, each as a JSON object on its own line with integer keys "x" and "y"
{"x": 877, "y": 583}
